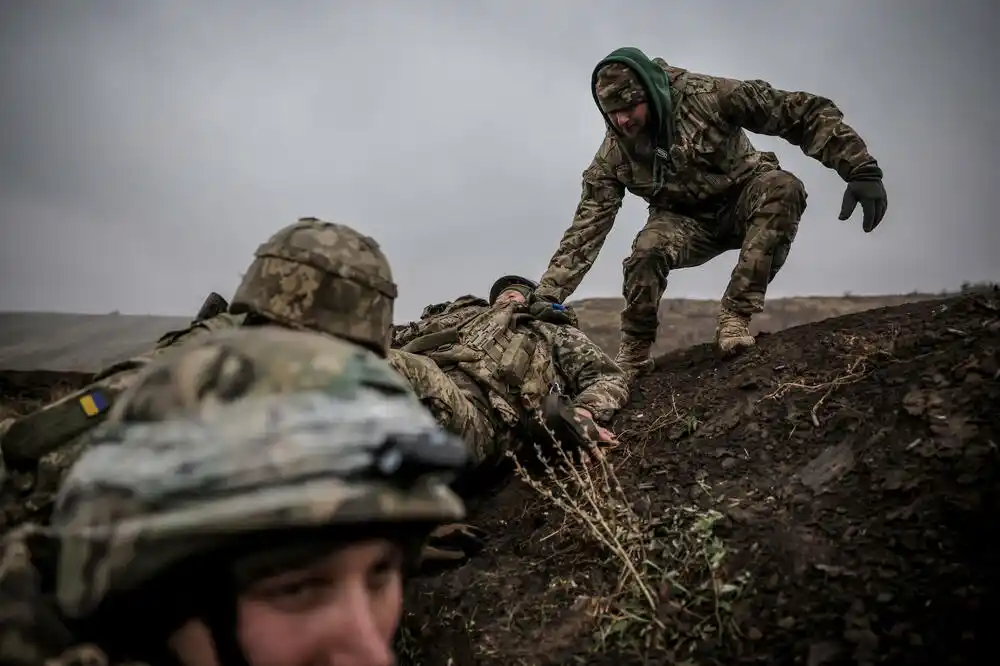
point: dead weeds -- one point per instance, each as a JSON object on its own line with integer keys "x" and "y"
{"x": 673, "y": 593}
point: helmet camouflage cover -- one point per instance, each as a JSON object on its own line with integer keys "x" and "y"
{"x": 251, "y": 430}
{"x": 325, "y": 277}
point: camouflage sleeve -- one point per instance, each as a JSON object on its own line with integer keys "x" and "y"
{"x": 403, "y": 334}
{"x": 600, "y": 201}
{"x": 813, "y": 123}
{"x": 32, "y": 631}
{"x": 196, "y": 331}
{"x": 596, "y": 383}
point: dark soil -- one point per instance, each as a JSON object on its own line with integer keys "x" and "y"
{"x": 22, "y": 497}
{"x": 855, "y": 462}
{"x": 24, "y": 392}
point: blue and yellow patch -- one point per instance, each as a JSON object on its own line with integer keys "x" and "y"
{"x": 94, "y": 403}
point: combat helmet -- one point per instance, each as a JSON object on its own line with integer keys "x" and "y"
{"x": 325, "y": 277}
{"x": 508, "y": 281}
{"x": 246, "y": 433}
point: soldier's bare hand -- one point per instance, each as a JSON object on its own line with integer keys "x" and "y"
{"x": 606, "y": 435}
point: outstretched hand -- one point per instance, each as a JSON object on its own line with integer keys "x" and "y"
{"x": 867, "y": 189}
{"x": 599, "y": 435}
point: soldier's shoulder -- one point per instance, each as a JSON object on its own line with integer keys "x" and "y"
{"x": 696, "y": 83}
{"x": 608, "y": 158}
{"x": 448, "y": 307}
{"x": 334, "y": 362}
{"x": 220, "y": 322}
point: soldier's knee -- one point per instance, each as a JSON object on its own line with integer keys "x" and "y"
{"x": 643, "y": 263}
{"x": 648, "y": 254}
{"x": 787, "y": 187}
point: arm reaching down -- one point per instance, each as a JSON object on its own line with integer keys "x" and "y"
{"x": 600, "y": 201}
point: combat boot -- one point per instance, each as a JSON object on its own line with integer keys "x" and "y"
{"x": 633, "y": 356}
{"x": 733, "y": 333}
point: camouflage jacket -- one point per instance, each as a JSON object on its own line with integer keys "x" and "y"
{"x": 32, "y": 631}
{"x": 491, "y": 340}
{"x": 710, "y": 160}
{"x": 37, "y": 449}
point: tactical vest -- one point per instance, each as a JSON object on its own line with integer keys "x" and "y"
{"x": 56, "y": 426}
{"x": 500, "y": 350}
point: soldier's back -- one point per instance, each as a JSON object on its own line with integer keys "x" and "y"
{"x": 38, "y": 448}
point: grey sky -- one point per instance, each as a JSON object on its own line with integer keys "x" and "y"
{"x": 149, "y": 147}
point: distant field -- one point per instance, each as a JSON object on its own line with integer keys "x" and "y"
{"x": 686, "y": 322}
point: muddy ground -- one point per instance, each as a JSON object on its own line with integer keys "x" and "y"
{"x": 828, "y": 498}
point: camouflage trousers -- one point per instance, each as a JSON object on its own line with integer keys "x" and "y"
{"x": 453, "y": 408}
{"x": 761, "y": 224}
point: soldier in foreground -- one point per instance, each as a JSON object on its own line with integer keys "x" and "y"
{"x": 310, "y": 275}
{"x": 254, "y": 499}
{"x": 677, "y": 139}
{"x": 493, "y": 371}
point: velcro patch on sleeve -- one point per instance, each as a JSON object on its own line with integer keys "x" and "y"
{"x": 94, "y": 403}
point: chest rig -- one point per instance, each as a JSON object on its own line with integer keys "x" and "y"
{"x": 494, "y": 355}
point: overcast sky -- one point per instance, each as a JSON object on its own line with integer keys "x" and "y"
{"x": 147, "y": 148}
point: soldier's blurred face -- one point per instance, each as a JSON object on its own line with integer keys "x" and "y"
{"x": 342, "y": 609}
{"x": 631, "y": 120}
{"x": 510, "y": 296}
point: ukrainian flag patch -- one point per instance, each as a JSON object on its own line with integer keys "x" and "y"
{"x": 93, "y": 403}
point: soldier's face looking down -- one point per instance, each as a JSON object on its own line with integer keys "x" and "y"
{"x": 343, "y": 608}
{"x": 630, "y": 121}
{"x": 510, "y": 296}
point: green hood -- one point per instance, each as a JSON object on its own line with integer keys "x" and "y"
{"x": 657, "y": 85}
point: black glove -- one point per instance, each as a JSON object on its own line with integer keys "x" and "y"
{"x": 865, "y": 187}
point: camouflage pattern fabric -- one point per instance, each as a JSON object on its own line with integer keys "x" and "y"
{"x": 454, "y": 408}
{"x": 31, "y": 629}
{"x": 761, "y": 224}
{"x": 324, "y": 277}
{"x": 252, "y": 361}
{"x": 470, "y": 387}
{"x": 617, "y": 87}
{"x": 711, "y": 165}
{"x": 311, "y": 275}
{"x": 256, "y": 429}
{"x": 41, "y": 446}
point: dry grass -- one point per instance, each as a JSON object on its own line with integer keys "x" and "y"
{"x": 861, "y": 358}
{"x": 673, "y": 592}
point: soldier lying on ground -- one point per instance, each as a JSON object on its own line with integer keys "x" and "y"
{"x": 494, "y": 371}
{"x": 310, "y": 275}
{"x": 253, "y": 499}
{"x": 676, "y": 139}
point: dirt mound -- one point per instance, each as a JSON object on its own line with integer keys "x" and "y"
{"x": 827, "y": 498}
{"x": 687, "y": 321}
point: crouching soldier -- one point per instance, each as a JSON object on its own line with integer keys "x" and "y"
{"x": 677, "y": 139}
